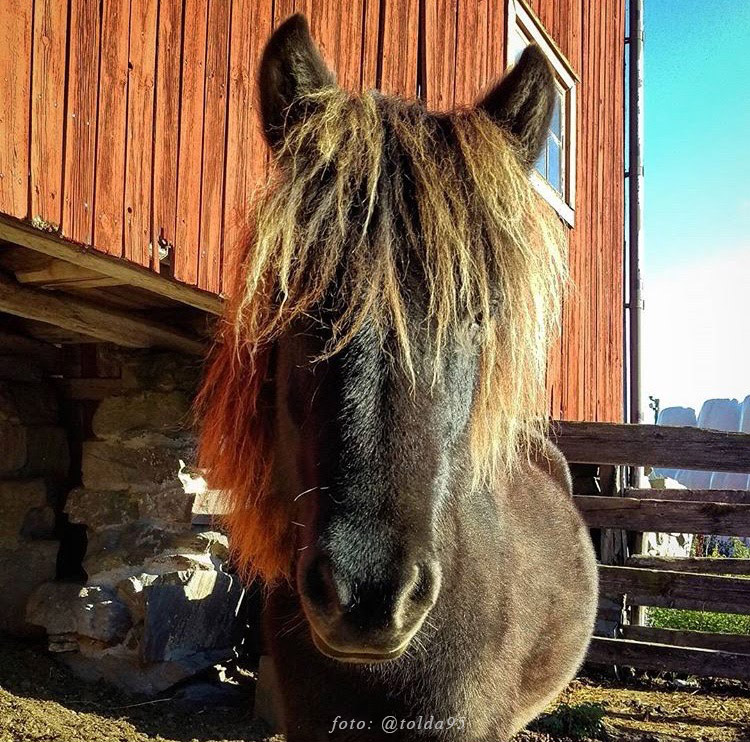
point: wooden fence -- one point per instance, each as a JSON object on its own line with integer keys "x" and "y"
{"x": 636, "y": 580}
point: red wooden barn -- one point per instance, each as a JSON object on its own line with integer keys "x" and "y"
{"x": 129, "y": 146}
{"x": 129, "y": 149}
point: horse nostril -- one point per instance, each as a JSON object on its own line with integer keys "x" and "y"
{"x": 424, "y": 584}
{"x": 320, "y": 585}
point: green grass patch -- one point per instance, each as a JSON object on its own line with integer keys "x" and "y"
{"x": 720, "y": 623}
{"x": 579, "y": 721}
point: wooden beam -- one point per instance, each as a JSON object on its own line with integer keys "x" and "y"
{"x": 662, "y": 657}
{"x": 653, "y": 445}
{"x": 58, "y": 274}
{"x": 740, "y": 497}
{"x": 78, "y": 315}
{"x": 702, "y": 565}
{"x": 664, "y": 516}
{"x": 665, "y": 589}
{"x": 739, "y": 643}
{"x": 132, "y": 275}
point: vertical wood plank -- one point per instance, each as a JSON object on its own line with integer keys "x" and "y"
{"x": 496, "y": 40}
{"x": 15, "y": 94}
{"x": 370, "y": 44}
{"x": 140, "y": 140}
{"x": 112, "y": 121}
{"x": 282, "y": 10}
{"x": 80, "y": 124}
{"x": 246, "y": 166}
{"x": 47, "y": 110}
{"x": 399, "y": 48}
{"x": 191, "y": 142}
{"x": 166, "y": 131}
{"x": 441, "y": 17}
{"x": 214, "y": 143}
{"x": 337, "y": 30}
{"x": 471, "y": 51}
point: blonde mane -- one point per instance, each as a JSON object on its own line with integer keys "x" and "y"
{"x": 362, "y": 185}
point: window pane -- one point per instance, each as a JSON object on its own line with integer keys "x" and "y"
{"x": 518, "y": 42}
{"x": 541, "y": 163}
{"x": 554, "y": 164}
{"x": 556, "y": 123}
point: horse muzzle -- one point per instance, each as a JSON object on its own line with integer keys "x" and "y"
{"x": 360, "y": 620}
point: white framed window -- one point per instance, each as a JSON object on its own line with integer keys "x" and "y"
{"x": 554, "y": 174}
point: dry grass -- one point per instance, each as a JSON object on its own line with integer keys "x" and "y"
{"x": 40, "y": 701}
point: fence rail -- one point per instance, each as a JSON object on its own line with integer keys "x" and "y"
{"x": 660, "y": 657}
{"x": 653, "y": 445}
{"x": 704, "y": 565}
{"x": 670, "y": 516}
{"x": 696, "y": 583}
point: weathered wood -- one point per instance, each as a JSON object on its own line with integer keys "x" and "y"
{"x": 47, "y": 110}
{"x": 653, "y": 445}
{"x": 664, "y": 516}
{"x": 109, "y": 217}
{"x": 15, "y": 93}
{"x": 740, "y": 497}
{"x": 59, "y": 275}
{"x": 665, "y": 589}
{"x": 739, "y": 643}
{"x": 167, "y": 109}
{"x": 702, "y": 565}
{"x": 251, "y": 23}
{"x": 399, "y": 43}
{"x": 90, "y": 319}
{"x": 440, "y": 53}
{"x": 190, "y": 149}
{"x": 140, "y": 139}
{"x": 49, "y": 244}
{"x": 663, "y": 657}
{"x": 80, "y": 123}
{"x": 214, "y": 135}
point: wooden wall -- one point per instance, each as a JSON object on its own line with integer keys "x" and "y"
{"x": 130, "y": 124}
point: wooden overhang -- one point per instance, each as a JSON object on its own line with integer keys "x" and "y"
{"x": 55, "y": 292}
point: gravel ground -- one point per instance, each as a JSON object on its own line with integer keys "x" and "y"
{"x": 41, "y": 702}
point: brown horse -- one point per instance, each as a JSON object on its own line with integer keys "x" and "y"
{"x": 375, "y": 409}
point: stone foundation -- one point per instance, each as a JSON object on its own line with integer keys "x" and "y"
{"x": 34, "y": 461}
{"x": 158, "y": 604}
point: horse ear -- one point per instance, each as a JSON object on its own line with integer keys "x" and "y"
{"x": 522, "y": 102}
{"x": 291, "y": 67}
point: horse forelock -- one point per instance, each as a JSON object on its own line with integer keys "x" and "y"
{"x": 363, "y": 186}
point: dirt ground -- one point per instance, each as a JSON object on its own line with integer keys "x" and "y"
{"x": 41, "y": 702}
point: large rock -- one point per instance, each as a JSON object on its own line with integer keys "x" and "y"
{"x": 189, "y": 613}
{"x": 134, "y": 465}
{"x": 145, "y": 547}
{"x": 133, "y": 414}
{"x": 94, "y": 612}
{"x": 23, "y": 507}
{"x": 122, "y": 667}
{"x": 40, "y": 450}
{"x": 19, "y": 368}
{"x": 28, "y": 403}
{"x": 13, "y": 447}
{"x": 22, "y": 570}
{"x": 160, "y": 371}
{"x": 99, "y": 509}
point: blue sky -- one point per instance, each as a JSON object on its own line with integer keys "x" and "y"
{"x": 697, "y": 200}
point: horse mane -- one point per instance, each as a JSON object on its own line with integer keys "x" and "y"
{"x": 363, "y": 185}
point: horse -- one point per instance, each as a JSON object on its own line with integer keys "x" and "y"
{"x": 374, "y": 409}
